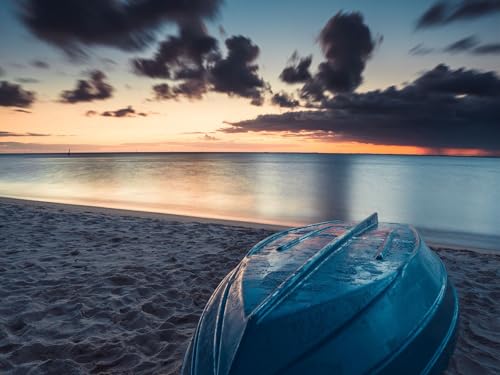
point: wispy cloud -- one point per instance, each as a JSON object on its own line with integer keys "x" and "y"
{"x": 27, "y": 80}
{"x": 444, "y": 12}
{"x": 11, "y": 134}
{"x": 464, "y": 44}
{"x": 40, "y": 64}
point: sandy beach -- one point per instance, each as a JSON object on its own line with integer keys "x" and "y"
{"x": 102, "y": 291}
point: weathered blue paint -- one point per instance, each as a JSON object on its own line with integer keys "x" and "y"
{"x": 330, "y": 298}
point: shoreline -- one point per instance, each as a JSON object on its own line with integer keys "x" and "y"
{"x": 81, "y": 208}
{"x": 434, "y": 238}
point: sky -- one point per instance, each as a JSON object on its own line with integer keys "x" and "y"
{"x": 282, "y": 76}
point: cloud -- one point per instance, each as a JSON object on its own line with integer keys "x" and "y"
{"x": 21, "y": 110}
{"x": 444, "y": 12}
{"x": 176, "y": 54}
{"x": 95, "y": 88}
{"x": 91, "y": 113}
{"x": 487, "y": 49}
{"x": 284, "y": 100}
{"x": 27, "y": 80}
{"x": 12, "y": 95}
{"x": 298, "y": 69}
{"x": 432, "y": 16}
{"x": 11, "y": 134}
{"x": 74, "y": 25}
{"x": 108, "y": 61}
{"x": 107, "y": 64}
{"x": 461, "y": 45}
{"x": 40, "y": 64}
{"x": 443, "y": 80}
{"x": 122, "y": 112}
{"x": 470, "y": 44}
{"x": 347, "y": 44}
{"x": 420, "y": 50}
{"x": 191, "y": 88}
{"x": 162, "y": 91}
{"x": 443, "y": 108}
{"x": 193, "y": 62}
{"x": 207, "y": 137}
{"x": 237, "y": 73}
{"x": 2, "y": 72}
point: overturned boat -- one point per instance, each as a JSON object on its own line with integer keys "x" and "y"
{"x": 330, "y": 298}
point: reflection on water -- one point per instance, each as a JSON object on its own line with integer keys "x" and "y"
{"x": 458, "y": 194}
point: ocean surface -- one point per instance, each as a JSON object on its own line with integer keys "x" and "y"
{"x": 457, "y": 194}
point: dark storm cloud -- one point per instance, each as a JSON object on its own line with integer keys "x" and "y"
{"x": 461, "y": 45}
{"x": 128, "y": 25}
{"x": 443, "y": 80}
{"x": 40, "y": 64}
{"x": 347, "y": 44}
{"x": 284, "y": 100}
{"x": 95, "y": 88}
{"x": 487, "y": 49}
{"x": 442, "y": 108}
{"x": 12, "y": 95}
{"x": 298, "y": 70}
{"x": 444, "y": 12}
{"x": 237, "y": 73}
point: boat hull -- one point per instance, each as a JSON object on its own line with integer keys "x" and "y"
{"x": 371, "y": 299}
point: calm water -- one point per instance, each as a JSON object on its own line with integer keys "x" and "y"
{"x": 444, "y": 193}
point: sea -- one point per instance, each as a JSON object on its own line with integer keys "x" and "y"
{"x": 454, "y": 194}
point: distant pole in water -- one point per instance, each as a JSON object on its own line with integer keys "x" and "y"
{"x": 69, "y": 152}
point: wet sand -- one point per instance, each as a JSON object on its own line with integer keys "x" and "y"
{"x": 87, "y": 290}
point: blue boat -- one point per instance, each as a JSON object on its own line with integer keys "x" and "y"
{"x": 330, "y": 298}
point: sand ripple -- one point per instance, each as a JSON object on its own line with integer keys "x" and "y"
{"x": 94, "y": 293}
{"x": 476, "y": 278}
